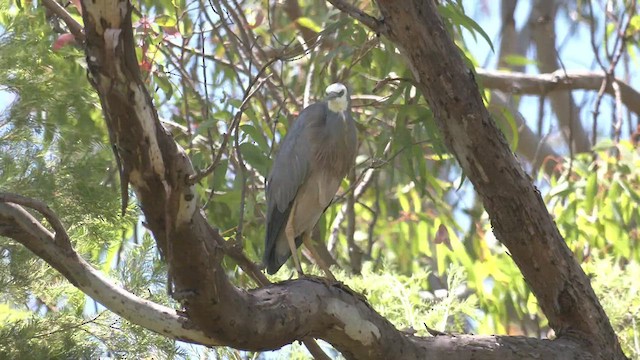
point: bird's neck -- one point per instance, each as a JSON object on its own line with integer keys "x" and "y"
{"x": 338, "y": 105}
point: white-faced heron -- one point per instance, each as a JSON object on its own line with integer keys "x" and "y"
{"x": 314, "y": 157}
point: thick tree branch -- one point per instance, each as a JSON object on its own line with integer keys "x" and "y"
{"x": 350, "y": 314}
{"x": 518, "y": 214}
{"x": 543, "y": 84}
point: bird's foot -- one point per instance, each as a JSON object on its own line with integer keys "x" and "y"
{"x": 328, "y": 281}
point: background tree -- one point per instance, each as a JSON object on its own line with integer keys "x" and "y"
{"x": 227, "y": 79}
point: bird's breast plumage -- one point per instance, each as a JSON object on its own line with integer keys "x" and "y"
{"x": 336, "y": 152}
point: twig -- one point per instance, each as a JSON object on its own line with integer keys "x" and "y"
{"x": 358, "y": 186}
{"x": 243, "y": 192}
{"x": 75, "y": 27}
{"x": 614, "y": 58}
{"x": 375, "y": 164}
{"x": 355, "y": 254}
{"x": 249, "y": 92}
{"x": 68, "y": 328}
{"x": 372, "y": 23}
{"x": 617, "y": 126}
{"x": 374, "y": 219}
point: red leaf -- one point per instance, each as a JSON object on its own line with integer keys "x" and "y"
{"x": 63, "y": 40}
{"x": 145, "y": 65}
{"x": 442, "y": 236}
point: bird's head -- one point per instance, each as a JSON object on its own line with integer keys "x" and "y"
{"x": 337, "y": 97}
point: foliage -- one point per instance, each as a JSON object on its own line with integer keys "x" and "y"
{"x": 616, "y": 285}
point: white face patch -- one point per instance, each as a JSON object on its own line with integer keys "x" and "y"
{"x": 338, "y": 104}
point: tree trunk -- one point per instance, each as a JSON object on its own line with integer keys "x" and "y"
{"x": 518, "y": 214}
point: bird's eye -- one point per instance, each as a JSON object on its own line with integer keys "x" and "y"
{"x": 341, "y": 92}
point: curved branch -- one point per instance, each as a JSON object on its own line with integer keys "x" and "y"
{"x": 61, "y": 236}
{"x": 542, "y": 84}
{"x": 18, "y": 224}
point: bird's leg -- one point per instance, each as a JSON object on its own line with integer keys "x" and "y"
{"x": 306, "y": 239}
{"x": 290, "y": 234}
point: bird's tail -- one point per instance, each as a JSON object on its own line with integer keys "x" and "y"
{"x": 276, "y": 256}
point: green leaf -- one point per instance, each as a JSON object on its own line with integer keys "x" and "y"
{"x": 309, "y": 24}
{"x": 256, "y": 136}
{"x": 561, "y": 189}
{"x": 219, "y": 175}
{"x": 164, "y": 84}
{"x": 604, "y": 144}
{"x": 518, "y": 60}
{"x": 458, "y": 17}
{"x": 255, "y": 157}
{"x": 165, "y": 21}
{"x": 513, "y": 126}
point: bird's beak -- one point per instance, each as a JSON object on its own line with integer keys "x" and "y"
{"x": 333, "y": 95}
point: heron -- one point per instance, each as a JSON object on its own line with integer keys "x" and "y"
{"x": 315, "y": 155}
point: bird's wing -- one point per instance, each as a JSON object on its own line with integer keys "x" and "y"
{"x": 290, "y": 170}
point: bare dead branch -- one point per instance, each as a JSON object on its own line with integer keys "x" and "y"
{"x": 542, "y": 84}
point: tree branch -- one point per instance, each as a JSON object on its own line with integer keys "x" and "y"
{"x": 542, "y": 84}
